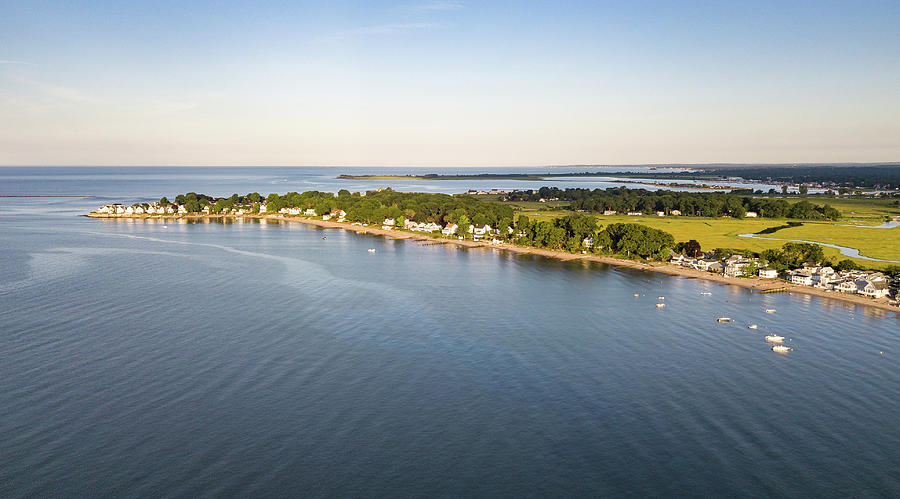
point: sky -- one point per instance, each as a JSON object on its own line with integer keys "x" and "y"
{"x": 448, "y": 82}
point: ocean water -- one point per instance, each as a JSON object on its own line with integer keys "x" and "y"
{"x": 275, "y": 359}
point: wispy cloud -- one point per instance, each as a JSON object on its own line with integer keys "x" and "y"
{"x": 389, "y": 29}
{"x": 4, "y": 61}
{"x": 439, "y": 5}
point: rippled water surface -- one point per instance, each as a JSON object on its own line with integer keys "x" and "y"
{"x": 148, "y": 358}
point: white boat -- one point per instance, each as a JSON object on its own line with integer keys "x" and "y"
{"x": 770, "y": 310}
{"x": 774, "y": 338}
{"x": 660, "y": 305}
{"x": 752, "y": 326}
{"x": 724, "y": 319}
{"x": 706, "y": 293}
{"x": 371, "y": 250}
{"x": 660, "y": 297}
{"x": 636, "y": 295}
{"x": 781, "y": 349}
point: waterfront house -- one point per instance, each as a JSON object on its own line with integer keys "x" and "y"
{"x": 876, "y": 289}
{"x": 450, "y": 229}
{"x": 751, "y": 214}
{"x": 768, "y": 273}
{"x": 735, "y": 269}
{"x": 182, "y": 210}
{"x": 708, "y": 265}
{"x": 675, "y": 213}
{"x": 138, "y": 210}
{"x": 609, "y": 212}
{"x": 129, "y": 210}
{"x": 262, "y": 208}
{"x": 310, "y": 212}
{"x": 660, "y": 213}
{"x": 802, "y": 277}
{"x": 676, "y": 258}
{"x": 326, "y": 217}
{"x": 388, "y": 224}
{"x": 431, "y": 227}
{"x": 588, "y": 242}
{"x": 848, "y": 286}
{"x": 634, "y": 213}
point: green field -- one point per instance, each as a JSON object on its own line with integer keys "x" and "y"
{"x": 724, "y": 232}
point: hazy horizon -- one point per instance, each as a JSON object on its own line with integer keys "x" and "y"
{"x": 442, "y": 83}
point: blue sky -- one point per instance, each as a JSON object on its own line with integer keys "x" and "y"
{"x": 448, "y": 83}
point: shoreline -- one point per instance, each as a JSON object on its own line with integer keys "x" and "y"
{"x": 753, "y": 283}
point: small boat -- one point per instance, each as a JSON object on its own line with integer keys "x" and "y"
{"x": 636, "y": 295}
{"x": 781, "y": 349}
{"x": 706, "y": 293}
{"x": 660, "y": 297}
{"x": 660, "y": 305}
{"x": 752, "y": 326}
{"x": 724, "y": 319}
{"x": 770, "y": 310}
{"x": 774, "y": 338}
{"x": 371, "y": 250}
{"x": 324, "y": 237}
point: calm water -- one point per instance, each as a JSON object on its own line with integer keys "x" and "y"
{"x": 138, "y": 358}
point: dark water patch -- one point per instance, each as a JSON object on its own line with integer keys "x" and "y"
{"x": 772, "y": 230}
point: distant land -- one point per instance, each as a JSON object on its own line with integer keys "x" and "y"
{"x": 882, "y": 176}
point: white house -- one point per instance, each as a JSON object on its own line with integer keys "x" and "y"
{"x": 848, "y": 286}
{"x": 388, "y": 224}
{"x": 634, "y": 213}
{"x": 877, "y": 289}
{"x": 750, "y": 214}
{"x": 767, "y": 273}
{"x": 431, "y": 227}
{"x": 310, "y": 212}
{"x": 262, "y": 208}
{"x": 326, "y": 217}
{"x": 675, "y": 213}
{"x": 802, "y": 277}
{"x": 129, "y": 210}
{"x": 181, "y": 209}
{"x": 481, "y": 230}
{"x": 660, "y": 213}
{"x": 609, "y": 212}
{"x": 450, "y": 229}
{"x": 735, "y": 269}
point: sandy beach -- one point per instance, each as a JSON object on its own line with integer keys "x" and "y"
{"x": 751, "y": 283}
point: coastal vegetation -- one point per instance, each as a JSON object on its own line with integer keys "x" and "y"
{"x": 707, "y": 204}
{"x": 565, "y": 224}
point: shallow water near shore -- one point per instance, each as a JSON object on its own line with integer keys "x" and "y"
{"x": 255, "y": 358}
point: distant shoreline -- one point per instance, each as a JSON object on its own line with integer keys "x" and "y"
{"x": 538, "y": 178}
{"x": 752, "y": 283}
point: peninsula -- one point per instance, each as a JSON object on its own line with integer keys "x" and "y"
{"x": 467, "y": 221}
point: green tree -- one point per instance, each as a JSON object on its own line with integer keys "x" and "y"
{"x": 692, "y": 248}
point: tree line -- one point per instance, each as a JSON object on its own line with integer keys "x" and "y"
{"x": 370, "y": 207}
{"x": 701, "y": 204}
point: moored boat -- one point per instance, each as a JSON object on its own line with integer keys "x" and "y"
{"x": 660, "y": 305}
{"x": 774, "y": 338}
{"x": 752, "y": 326}
{"x": 724, "y": 319}
{"x": 770, "y": 310}
{"x": 781, "y": 348}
